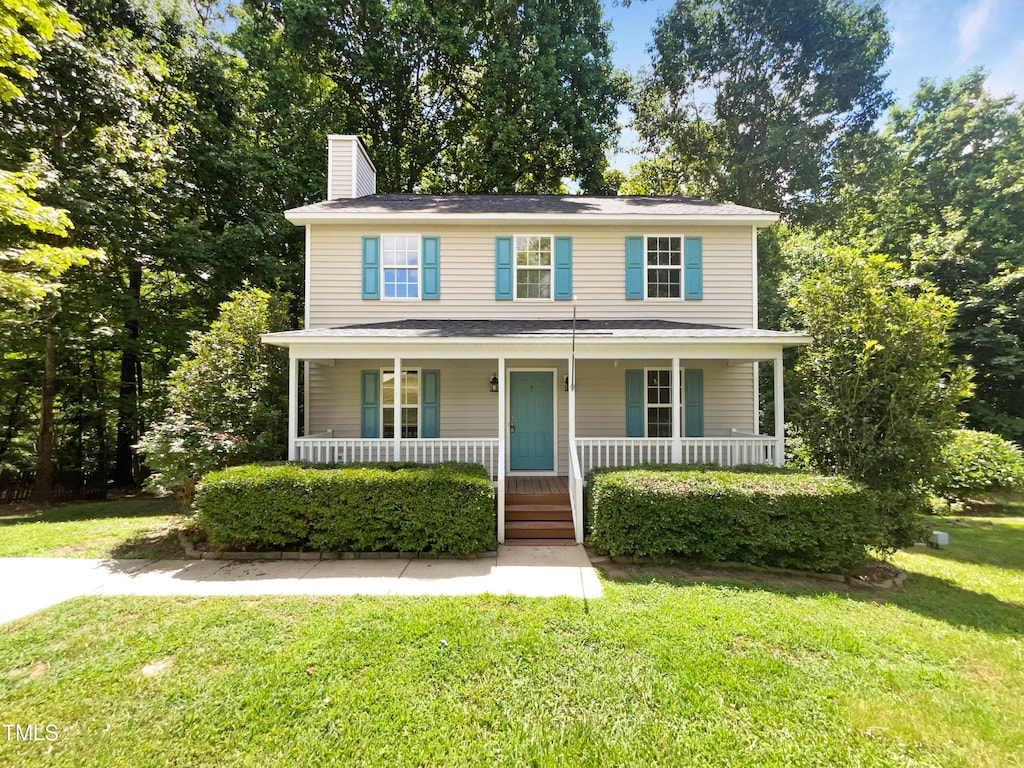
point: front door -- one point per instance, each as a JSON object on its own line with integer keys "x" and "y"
{"x": 532, "y": 420}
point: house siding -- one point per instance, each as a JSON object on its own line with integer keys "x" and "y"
{"x": 470, "y": 409}
{"x": 467, "y": 276}
{"x": 340, "y": 170}
{"x": 601, "y": 396}
{"x": 366, "y": 177}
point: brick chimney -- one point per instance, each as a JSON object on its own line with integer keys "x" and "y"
{"x": 350, "y": 172}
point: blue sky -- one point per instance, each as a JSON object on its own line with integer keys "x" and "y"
{"x": 938, "y": 39}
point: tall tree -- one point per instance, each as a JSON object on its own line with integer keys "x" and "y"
{"x": 34, "y": 247}
{"x": 749, "y": 99}
{"x": 879, "y": 383}
{"x": 451, "y": 95}
{"x": 940, "y": 190}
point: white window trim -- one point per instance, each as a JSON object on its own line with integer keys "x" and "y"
{"x": 682, "y": 398}
{"x": 515, "y": 270}
{"x": 419, "y": 401}
{"x": 419, "y": 268}
{"x": 682, "y": 266}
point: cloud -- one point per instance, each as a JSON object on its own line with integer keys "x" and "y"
{"x": 972, "y": 23}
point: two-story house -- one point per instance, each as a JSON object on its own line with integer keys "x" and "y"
{"x": 539, "y": 335}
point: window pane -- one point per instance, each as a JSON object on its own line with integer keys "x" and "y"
{"x": 410, "y": 419}
{"x": 659, "y": 422}
{"x": 663, "y": 283}
{"x": 533, "y": 283}
{"x": 533, "y": 251}
{"x": 401, "y": 283}
{"x": 664, "y": 251}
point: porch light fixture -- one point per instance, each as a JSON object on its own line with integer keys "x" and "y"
{"x": 494, "y": 383}
{"x": 566, "y": 383}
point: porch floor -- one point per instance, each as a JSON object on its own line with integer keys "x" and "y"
{"x": 534, "y": 486}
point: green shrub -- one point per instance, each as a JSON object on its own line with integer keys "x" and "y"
{"x": 759, "y": 516}
{"x": 180, "y": 451}
{"x": 980, "y": 462}
{"x": 406, "y": 508}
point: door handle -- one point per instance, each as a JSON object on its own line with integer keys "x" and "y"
{"x": 512, "y": 428}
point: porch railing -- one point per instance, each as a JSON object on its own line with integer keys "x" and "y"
{"x": 323, "y": 449}
{"x": 630, "y": 451}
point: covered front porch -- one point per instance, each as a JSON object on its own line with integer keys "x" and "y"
{"x": 532, "y": 401}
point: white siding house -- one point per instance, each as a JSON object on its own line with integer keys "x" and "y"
{"x": 538, "y": 335}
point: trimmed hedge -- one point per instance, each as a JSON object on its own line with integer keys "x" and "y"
{"x": 761, "y": 516}
{"x": 980, "y": 462}
{"x": 400, "y": 508}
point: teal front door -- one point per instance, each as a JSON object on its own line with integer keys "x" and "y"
{"x": 532, "y": 420}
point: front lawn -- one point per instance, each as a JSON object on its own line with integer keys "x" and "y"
{"x": 672, "y": 668}
{"x": 141, "y": 527}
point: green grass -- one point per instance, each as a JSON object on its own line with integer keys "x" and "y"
{"x": 123, "y": 528}
{"x": 666, "y": 669}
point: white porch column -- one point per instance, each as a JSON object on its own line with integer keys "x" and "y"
{"x": 677, "y": 442}
{"x": 572, "y": 402}
{"x": 502, "y": 432}
{"x": 293, "y": 405}
{"x": 396, "y": 447}
{"x": 780, "y": 416}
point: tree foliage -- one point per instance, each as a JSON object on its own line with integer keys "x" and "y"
{"x": 451, "y": 96}
{"x": 228, "y": 398}
{"x": 749, "y": 99}
{"x": 940, "y": 190}
{"x": 879, "y": 384}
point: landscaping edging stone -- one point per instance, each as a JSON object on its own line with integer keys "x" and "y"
{"x": 191, "y": 553}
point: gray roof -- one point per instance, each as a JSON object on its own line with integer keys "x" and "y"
{"x": 531, "y": 329}
{"x": 532, "y": 204}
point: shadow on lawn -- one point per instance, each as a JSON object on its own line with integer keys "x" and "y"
{"x": 93, "y": 510}
{"x": 929, "y": 596}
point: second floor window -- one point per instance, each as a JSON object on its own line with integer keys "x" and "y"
{"x": 533, "y": 266}
{"x": 400, "y": 266}
{"x": 664, "y": 267}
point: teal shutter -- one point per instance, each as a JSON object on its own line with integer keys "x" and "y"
{"x": 431, "y": 268}
{"x": 635, "y": 403}
{"x": 693, "y": 266}
{"x": 635, "y": 268}
{"x": 370, "y": 421}
{"x": 371, "y": 267}
{"x": 430, "y": 404}
{"x": 503, "y": 268}
{"x": 693, "y": 396}
{"x": 563, "y": 268}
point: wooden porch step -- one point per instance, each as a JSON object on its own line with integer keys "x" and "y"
{"x": 515, "y": 499}
{"x": 540, "y": 542}
{"x": 538, "y": 512}
{"x": 533, "y": 529}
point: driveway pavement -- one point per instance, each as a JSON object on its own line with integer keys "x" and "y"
{"x": 29, "y": 584}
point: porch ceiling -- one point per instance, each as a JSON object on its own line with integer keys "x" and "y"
{"x": 592, "y": 339}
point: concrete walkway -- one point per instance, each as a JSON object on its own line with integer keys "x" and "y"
{"x": 29, "y": 584}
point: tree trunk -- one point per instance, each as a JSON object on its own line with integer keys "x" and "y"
{"x": 43, "y": 488}
{"x": 130, "y": 386}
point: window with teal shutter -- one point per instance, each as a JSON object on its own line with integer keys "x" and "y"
{"x": 431, "y": 268}
{"x": 693, "y": 267}
{"x": 634, "y": 403}
{"x": 430, "y": 404}
{"x": 371, "y": 267}
{"x": 693, "y": 396}
{"x": 563, "y": 268}
{"x": 635, "y": 268}
{"x": 370, "y": 414}
{"x": 503, "y": 268}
